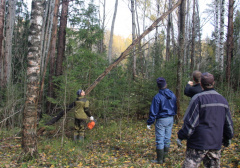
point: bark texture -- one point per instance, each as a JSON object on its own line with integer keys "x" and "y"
{"x": 29, "y": 137}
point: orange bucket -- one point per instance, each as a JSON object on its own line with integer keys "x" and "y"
{"x": 91, "y": 124}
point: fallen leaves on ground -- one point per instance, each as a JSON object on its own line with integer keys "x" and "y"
{"x": 128, "y": 144}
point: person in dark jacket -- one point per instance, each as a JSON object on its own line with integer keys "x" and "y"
{"x": 81, "y": 113}
{"x": 163, "y": 109}
{"x": 192, "y": 89}
{"x": 207, "y": 125}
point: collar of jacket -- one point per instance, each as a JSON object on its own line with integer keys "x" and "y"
{"x": 80, "y": 97}
{"x": 208, "y": 89}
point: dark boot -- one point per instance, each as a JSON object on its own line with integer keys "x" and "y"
{"x": 160, "y": 153}
{"x": 75, "y": 137}
{"x": 81, "y": 138}
{"x": 166, "y": 149}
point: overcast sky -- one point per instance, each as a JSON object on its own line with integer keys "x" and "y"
{"x": 123, "y": 20}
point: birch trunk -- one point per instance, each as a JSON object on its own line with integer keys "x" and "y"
{"x": 29, "y": 136}
{"x": 111, "y": 34}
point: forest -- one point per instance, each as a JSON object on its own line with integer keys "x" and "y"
{"x": 55, "y": 47}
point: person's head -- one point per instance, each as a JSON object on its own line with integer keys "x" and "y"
{"x": 197, "y": 76}
{"x": 207, "y": 80}
{"x": 80, "y": 92}
{"x": 161, "y": 83}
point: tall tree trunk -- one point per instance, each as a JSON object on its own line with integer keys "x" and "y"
{"x": 168, "y": 33}
{"x": 181, "y": 44}
{"x": 9, "y": 36}
{"x": 125, "y": 53}
{"x": 29, "y": 136}
{"x": 230, "y": 43}
{"x": 62, "y": 37}
{"x": 217, "y": 30}
{"x": 101, "y": 44}
{"x": 2, "y": 15}
{"x": 193, "y": 39}
{"x": 111, "y": 34}
{"x": 133, "y": 38}
{"x": 52, "y": 55}
{"x": 221, "y": 47}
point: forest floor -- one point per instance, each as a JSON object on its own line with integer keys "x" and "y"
{"x": 121, "y": 143}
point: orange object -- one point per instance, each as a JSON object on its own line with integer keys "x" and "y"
{"x": 91, "y": 124}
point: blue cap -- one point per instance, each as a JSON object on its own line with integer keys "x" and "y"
{"x": 79, "y": 92}
{"x": 161, "y": 82}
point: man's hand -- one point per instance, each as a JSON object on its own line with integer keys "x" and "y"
{"x": 149, "y": 127}
{"x": 179, "y": 143}
{"x": 227, "y": 142}
{"x": 190, "y": 83}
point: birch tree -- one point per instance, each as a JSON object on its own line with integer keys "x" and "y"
{"x": 111, "y": 34}
{"x": 29, "y": 136}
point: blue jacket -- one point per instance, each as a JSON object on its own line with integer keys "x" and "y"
{"x": 207, "y": 121}
{"x": 164, "y": 104}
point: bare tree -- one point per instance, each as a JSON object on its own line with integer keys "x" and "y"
{"x": 62, "y": 37}
{"x": 9, "y": 36}
{"x": 216, "y": 31}
{"x": 221, "y": 41}
{"x": 2, "y": 14}
{"x": 169, "y": 24}
{"x": 52, "y": 54}
{"x": 111, "y": 34}
{"x": 193, "y": 38}
{"x": 230, "y": 43}
{"x": 133, "y": 37}
{"x": 29, "y": 136}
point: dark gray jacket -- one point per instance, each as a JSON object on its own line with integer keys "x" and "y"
{"x": 207, "y": 121}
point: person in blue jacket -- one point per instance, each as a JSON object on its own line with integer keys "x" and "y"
{"x": 163, "y": 109}
{"x": 207, "y": 125}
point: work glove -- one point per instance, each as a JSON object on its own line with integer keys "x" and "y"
{"x": 179, "y": 143}
{"x": 91, "y": 118}
{"x": 226, "y": 142}
{"x": 149, "y": 127}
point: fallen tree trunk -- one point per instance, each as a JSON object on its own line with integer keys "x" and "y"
{"x": 120, "y": 58}
{"x": 125, "y": 53}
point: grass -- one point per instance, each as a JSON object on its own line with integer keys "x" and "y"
{"x": 119, "y": 143}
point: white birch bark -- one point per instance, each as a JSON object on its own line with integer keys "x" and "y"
{"x": 111, "y": 34}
